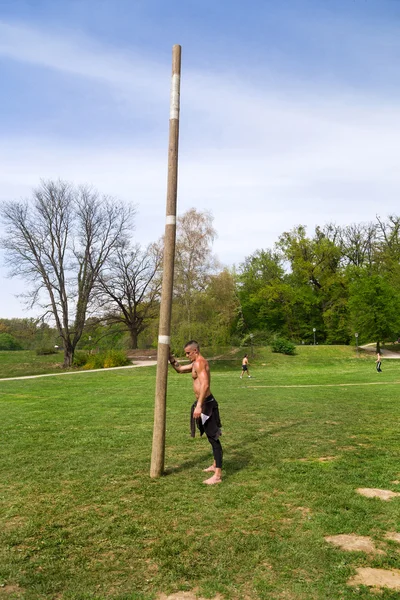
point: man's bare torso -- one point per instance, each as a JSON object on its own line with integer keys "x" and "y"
{"x": 198, "y": 365}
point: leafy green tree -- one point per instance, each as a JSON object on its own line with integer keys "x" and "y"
{"x": 214, "y": 312}
{"x": 317, "y": 277}
{"x": 313, "y": 260}
{"x": 219, "y": 308}
{"x": 100, "y": 335}
{"x": 30, "y": 333}
{"x": 8, "y": 342}
{"x": 262, "y": 292}
{"x": 374, "y": 307}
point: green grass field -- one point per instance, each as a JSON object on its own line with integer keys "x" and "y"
{"x": 27, "y": 362}
{"x": 80, "y": 517}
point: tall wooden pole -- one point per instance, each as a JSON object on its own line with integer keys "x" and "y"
{"x": 158, "y": 452}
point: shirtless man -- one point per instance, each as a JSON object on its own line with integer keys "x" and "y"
{"x": 378, "y": 362}
{"x": 206, "y": 407}
{"x": 245, "y": 367}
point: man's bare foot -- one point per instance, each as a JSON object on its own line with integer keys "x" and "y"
{"x": 214, "y": 479}
{"x": 209, "y": 469}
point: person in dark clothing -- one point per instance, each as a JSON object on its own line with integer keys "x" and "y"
{"x": 378, "y": 362}
{"x": 205, "y": 409}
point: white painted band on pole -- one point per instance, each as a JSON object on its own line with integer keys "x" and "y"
{"x": 164, "y": 339}
{"x": 174, "y": 103}
{"x": 170, "y": 220}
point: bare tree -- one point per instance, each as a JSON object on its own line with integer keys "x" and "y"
{"x": 358, "y": 243}
{"x": 194, "y": 261}
{"x": 389, "y": 235}
{"x": 59, "y": 242}
{"x": 130, "y": 288}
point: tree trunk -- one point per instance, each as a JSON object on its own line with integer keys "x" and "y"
{"x": 378, "y": 346}
{"x": 68, "y": 356}
{"x": 134, "y": 339}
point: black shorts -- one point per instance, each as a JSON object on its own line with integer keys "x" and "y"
{"x": 244, "y": 367}
{"x": 212, "y": 426}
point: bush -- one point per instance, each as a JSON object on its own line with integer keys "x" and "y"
{"x": 80, "y": 358}
{"x": 46, "y": 350}
{"x": 106, "y": 360}
{"x": 8, "y": 342}
{"x": 283, "y": 346}
{"x": 115, "y": 358}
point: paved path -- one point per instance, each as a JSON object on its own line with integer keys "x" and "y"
{"x": 139, "y": 363}
{"x": 389, "y": 354}
{"x": 385, "y": 353}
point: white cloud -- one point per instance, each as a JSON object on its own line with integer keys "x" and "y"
{"x": 260, "y": 159}
{"x": 79, "y": 55}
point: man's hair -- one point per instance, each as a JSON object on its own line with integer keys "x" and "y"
{"x": 192, "y": 343}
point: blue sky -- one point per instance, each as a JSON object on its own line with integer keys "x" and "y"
{"x": 290, "y": 110}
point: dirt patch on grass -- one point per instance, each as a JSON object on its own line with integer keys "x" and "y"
{"x": 15, "y": 523}
{"x": 354, "y": 543}
{"x": 184, "y": 596}
{"x": 8, "y": 590}
{"x": 376, "y": 578}
{"x": 318, "y": 459}
{"x": 377, "y": 493}
{"x": 304, "y": 510}
{"x": 393, "y": 535}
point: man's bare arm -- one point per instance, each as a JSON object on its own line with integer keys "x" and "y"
{"x": 178, "y": 367}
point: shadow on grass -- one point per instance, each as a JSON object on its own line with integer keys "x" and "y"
{"x": 237, "y": 461}
{"x": 197, "y": 461}
{"x": 234, "y": 461}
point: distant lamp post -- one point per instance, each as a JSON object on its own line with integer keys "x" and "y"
{"x": 251, "y": 343}
{"x": 314, "y": 330}
{"x": 356, "y": 336}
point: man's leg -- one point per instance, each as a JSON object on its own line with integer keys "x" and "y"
{"x": 216, "y": 467}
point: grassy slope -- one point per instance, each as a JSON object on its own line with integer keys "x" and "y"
{"x": 27, "y": 362}
{"x": 80, "y": 517}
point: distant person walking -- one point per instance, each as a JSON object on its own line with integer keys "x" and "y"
{"x": 378, "y": 362}
{"x": 245, "y": 366}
